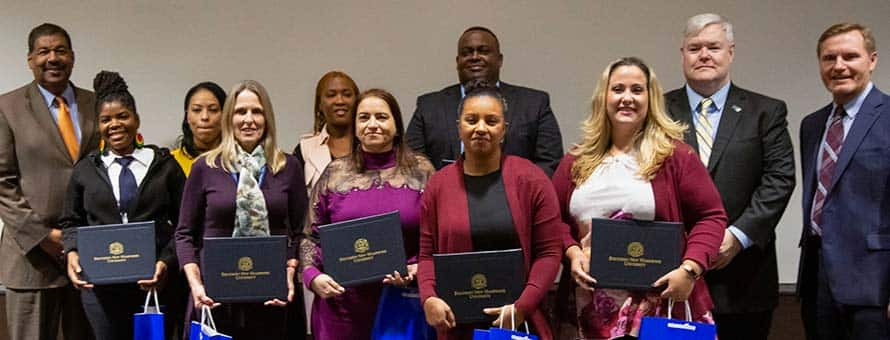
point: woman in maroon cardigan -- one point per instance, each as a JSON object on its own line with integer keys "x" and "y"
{"x": 632, "y": 162}
{"x": 488, "y": 201}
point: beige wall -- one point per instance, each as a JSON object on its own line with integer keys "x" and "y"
{"x": 164, "y": 47}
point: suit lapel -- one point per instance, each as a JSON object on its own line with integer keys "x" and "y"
{"x": 866, "y": 117}
{"x": 44, "y": 118}
{"x": 86, "y": 119}
{"x": 509, "y": 94}
{"x": 679, "y": 109}
{"x": 733, "y": 109}
{"x": 452, "y": 101}
{"x": 317, "y": 157}
{"x": 809, "y": 154}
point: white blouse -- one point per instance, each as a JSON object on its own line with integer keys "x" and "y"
{"x": 612, "y": 187}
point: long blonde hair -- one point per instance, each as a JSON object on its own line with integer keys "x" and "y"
{"x": 653, "y": 143}
{"x": 226, "y": 152}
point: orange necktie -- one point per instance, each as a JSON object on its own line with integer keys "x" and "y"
{"x": 66, "y": 128}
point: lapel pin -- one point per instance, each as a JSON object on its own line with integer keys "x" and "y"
{"x": 736, "y": 108}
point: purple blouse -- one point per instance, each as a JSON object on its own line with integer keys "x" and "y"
{"x": 208, "y": 206}
{"x": 343, "y": 194}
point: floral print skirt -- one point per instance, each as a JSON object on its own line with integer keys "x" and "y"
{"x": 615, "y": 313}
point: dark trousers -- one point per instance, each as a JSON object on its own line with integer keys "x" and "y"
{"x": 744, "y": 326}
{"x": 296, "y": 317}
{"x": 37, "y": 314}
{"x": 826, "y": 319}
{"x": 246, "y": 320}
{"x": 110, "y": 309}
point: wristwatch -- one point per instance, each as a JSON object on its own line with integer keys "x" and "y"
{"x": 689, "y": 270}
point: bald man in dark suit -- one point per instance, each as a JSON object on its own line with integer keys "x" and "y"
{"x": 533, "y": 132}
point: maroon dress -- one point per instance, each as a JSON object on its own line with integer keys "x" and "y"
{"x": 445, "y": 228}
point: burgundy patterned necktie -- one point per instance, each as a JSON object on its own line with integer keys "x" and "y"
{"x": 829, "y": 150}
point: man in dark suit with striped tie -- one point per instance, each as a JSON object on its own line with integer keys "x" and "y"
{"x": 742, "y": 137}
{"x": 844, "y": 277}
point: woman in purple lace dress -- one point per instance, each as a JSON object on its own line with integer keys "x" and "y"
{"x": 382, "y": 175}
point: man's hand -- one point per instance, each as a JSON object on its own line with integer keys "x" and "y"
{"x": 52, "y": 244}
{"x": 728, "y": 250}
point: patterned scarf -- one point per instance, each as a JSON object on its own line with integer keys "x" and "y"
{"x": 251, "y": 216}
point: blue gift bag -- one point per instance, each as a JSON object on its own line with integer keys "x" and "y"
{"x": 206, "y": 329}
{"x": 501, "y": 333}
{"x": 149, "y": 325}
{"x": 480, "y": 334}
{"x": 400, "y": 316}
{"x": 657, "y": 328}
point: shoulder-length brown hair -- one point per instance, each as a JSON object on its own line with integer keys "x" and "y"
{"x": 226, "y": 152}
{"x": 404, "y": 156}
{"x": 653, "y": 143}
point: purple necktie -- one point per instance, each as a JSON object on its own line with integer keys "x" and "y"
{"x": 829, "y": 150}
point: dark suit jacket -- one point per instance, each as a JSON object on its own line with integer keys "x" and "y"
{"x": 533, "y": 133}
{"x": 856, "y": 212}
{"x": 90, "y": 201}
{"x": 34, "y": 172}
{"x": 752, "y": 165}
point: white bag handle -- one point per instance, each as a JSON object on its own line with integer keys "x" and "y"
{"x": 671, "y": 309}
{"x": 151, "y": 292}
{"x": 207, "y": 317}
{"x": 512, "y": 320}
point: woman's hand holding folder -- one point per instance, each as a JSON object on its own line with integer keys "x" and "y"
{"x": 438, "y": 314}
{"x": 679, "y": 281}
{"x": 324, "y": 286}
{"x": 158, "y": 280}
{"x": 291, "y": 270}
{"x": 396, "y": 279}
{"x": 579, "y": 263}
{"x": 199, "y": 295}
{"x": 74, "y": 271}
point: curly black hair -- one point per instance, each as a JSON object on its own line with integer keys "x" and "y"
{"x": 110, "y": 87}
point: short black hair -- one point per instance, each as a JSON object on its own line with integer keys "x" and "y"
{"x": 482, "y": 88}
{"x": 110, "y": 87}
{"x": 46, "y": 29}
{"x": 483, "y": 29}
{"x": 188, "y": 136}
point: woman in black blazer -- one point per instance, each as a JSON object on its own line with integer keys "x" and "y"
{"x": 102, "y": 191}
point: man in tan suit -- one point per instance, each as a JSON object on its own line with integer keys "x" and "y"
{"x": 45, "y": 127}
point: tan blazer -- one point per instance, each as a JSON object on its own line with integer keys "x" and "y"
{"x": 34, "y": 172}
{"x": 316, "y": 156}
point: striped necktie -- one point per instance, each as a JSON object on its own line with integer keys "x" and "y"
{"x": 66, "y": 129}
{"x": 830, "y": 149}
{"x": 703, "y": 129}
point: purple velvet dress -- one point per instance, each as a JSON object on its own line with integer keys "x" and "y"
{"x": 342, "y": 193}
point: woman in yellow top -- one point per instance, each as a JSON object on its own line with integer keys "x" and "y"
{"x": 200, "y": 125}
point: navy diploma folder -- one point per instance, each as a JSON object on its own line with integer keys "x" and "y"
{"x": 245, "y": 269}
{"x": 469, "y": 282}
{"x": 363, "y": 250}
{"x": 117, "y": 253}
{"x": 631, "y": 254}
